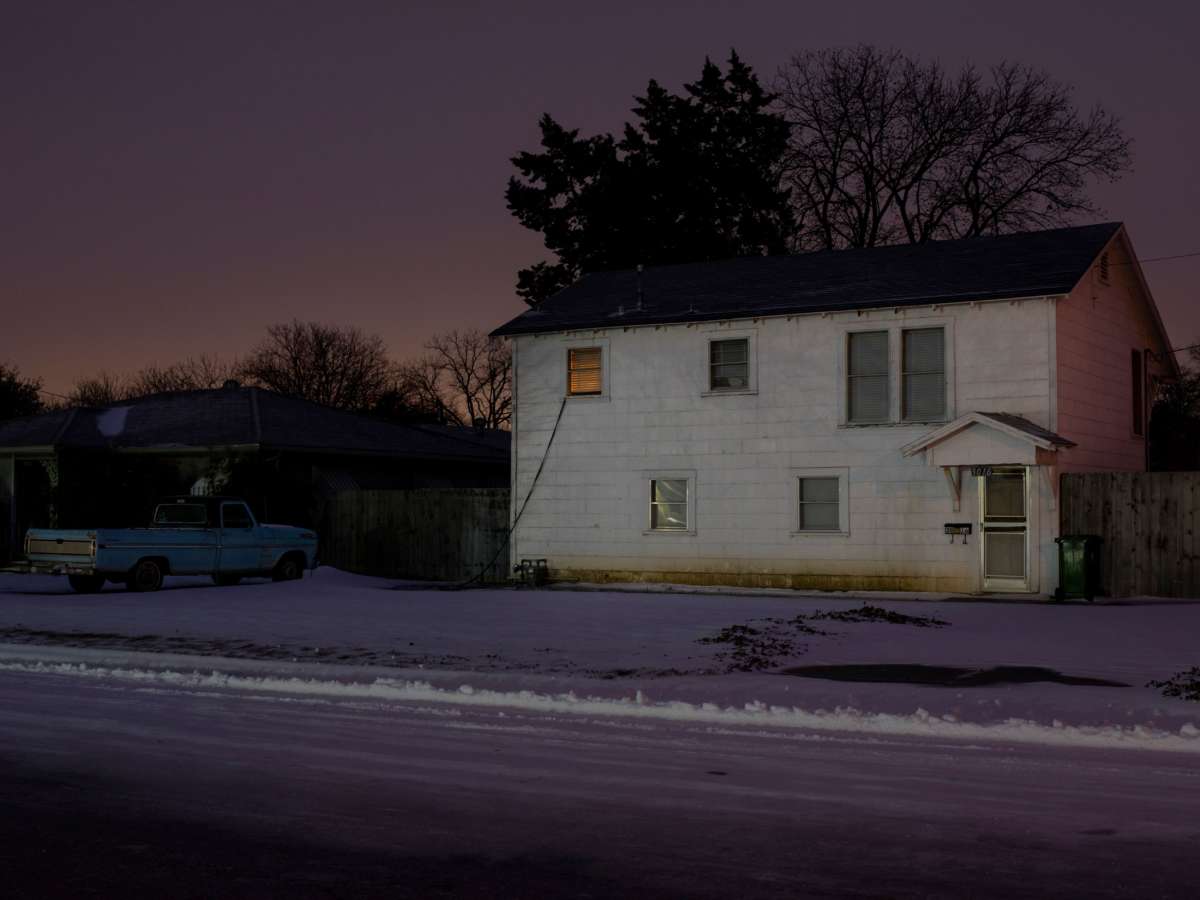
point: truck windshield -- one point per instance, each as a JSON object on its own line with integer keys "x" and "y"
{"x": 180, "y": 514}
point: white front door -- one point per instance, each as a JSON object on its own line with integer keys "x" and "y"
{"x": 1004, "y": 518}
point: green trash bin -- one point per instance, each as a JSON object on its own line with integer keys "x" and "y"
{"x": 1078, "y": 566}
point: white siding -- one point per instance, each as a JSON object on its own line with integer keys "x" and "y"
{"x": 587, "y": 516}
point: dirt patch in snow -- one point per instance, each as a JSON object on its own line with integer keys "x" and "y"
{"x": 235, "y": 649}
{"x": 1184, "y": 685}
{"x": 399, "y": 657}
{"x": 868, "y": 613}
{"x": 763, "y": 643}
{"x": 946, "y": 676}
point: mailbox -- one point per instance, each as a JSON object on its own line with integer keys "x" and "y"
{"x": 954, "y": 529}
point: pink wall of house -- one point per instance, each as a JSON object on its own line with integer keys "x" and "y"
{"x": 1097, "y": 326}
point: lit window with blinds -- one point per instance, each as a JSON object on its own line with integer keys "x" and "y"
{"x": 867, "y": 377}
{"x": 819, "y": 508}
{"x": 924, "y": 375}
{"x": 585, "y": 375}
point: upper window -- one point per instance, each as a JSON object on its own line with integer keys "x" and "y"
{"x": 585, "y": 375}
{"x": 819, "y": 504}
{"x": 924, "y": 395}
{"x": 235, "y": 515}
{"x": 729, "y": 365}
{"x": 668, "y": 504}
{"x": 868, "y": 376}
{"x": 1138, "y": 387}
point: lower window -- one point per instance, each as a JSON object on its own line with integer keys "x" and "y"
{"x": 820, "y": 506}
{"x": 668, "y": 504}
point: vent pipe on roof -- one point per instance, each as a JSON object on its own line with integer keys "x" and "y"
{"x": 639, "y": 287}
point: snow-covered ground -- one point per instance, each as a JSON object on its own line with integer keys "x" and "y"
{"x": 628, "y": 655}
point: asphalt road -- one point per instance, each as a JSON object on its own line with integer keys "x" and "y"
{"x": 112, "y": 791}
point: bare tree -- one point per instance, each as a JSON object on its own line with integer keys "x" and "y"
{"x": 464, "y": 378}
{"x": 333, "y": 365}
{"x": 104, "y": 389}
{"x": 477, "y": 374}
{"x": 194, "y": 373}
{"x": 888, "y": 149}
{"x": 420, "y": 388}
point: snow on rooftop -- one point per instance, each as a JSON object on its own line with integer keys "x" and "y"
{"x": 111, "y": 422}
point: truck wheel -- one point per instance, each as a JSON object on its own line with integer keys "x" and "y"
{"x": 287, "y": 569}
{"x": 86, "y": 584}
{"x": 147, "y": 575}
{"x": 226, "y": 580}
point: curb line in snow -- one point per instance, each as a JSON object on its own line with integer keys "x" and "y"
{"x": 842, "y": 719}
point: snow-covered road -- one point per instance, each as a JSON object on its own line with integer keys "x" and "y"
{"x": 117, "y": 788}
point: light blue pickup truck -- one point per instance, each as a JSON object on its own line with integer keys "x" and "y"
{"x": 215, "y": 536}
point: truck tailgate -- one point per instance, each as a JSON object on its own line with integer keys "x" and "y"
{"x": 54, "y": 545}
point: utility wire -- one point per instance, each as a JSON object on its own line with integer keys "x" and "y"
{"x": 521, "y": 511}
{"x": 1181, "y": 349}
{"x": 1161, "y": 258}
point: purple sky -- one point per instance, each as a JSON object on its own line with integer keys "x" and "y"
{"x": 176, "y": 176}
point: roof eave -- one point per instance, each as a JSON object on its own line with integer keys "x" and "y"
{"x": 1041, "y": 293}
{"x": 492, "y": 457}
{"x": 28, "y": 450}
{"x": 966, "y": 420}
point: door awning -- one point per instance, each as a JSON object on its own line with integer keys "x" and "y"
{"x": 989, "y": 439}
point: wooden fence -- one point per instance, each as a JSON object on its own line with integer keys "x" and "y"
{"x": 1148, "y": 521}
{"x": 430, "y": 533}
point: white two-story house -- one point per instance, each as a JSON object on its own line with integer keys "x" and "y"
{"x": 824, "y": 420}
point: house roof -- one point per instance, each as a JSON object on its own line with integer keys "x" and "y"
{"x": 245, "y": 417}
{"x": 1029, "y": 264}
{"x": 1016, "y": 426}
{"x": 1035, "y": 431}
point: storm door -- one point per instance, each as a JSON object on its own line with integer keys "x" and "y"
{"x": 1005, "y": 526}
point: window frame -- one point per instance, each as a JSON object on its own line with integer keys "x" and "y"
{"x": 646, "y": 497}
{"x": 201, "y": 523}
{"x": 842, "y": 474}
{"x": 905, "y": 418}
{"x": 895, "y": 330}
{"x": 1137, "y": 392}
{"x": 848, "y": 376}
{"x": 605, "y": 367}
{"x": 721, "y": 335}
{"x": 572, "y": 355}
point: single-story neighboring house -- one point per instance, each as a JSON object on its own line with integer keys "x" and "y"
{"x": 885, "y": 418}
{"x": 88, "y": 467}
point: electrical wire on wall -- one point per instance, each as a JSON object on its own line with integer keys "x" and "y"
{"x": 508, "y": 537}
